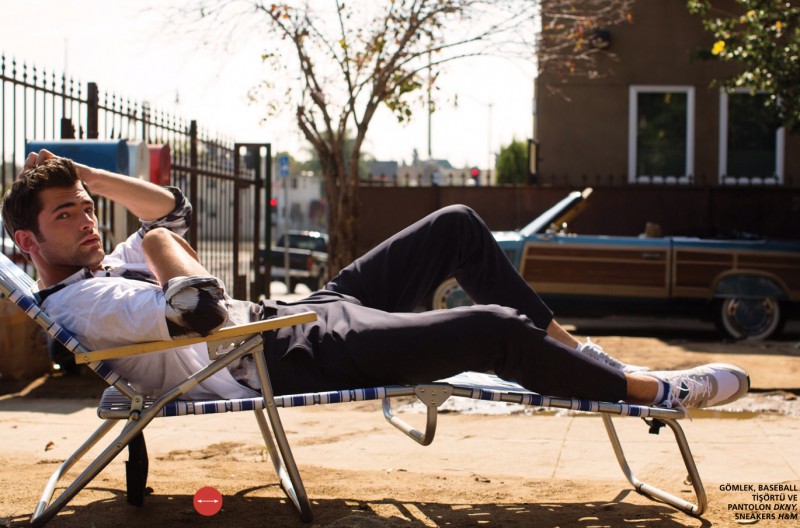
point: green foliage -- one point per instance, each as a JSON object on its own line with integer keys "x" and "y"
{"x": 512, "y": 163}
{"x": 764, "y": 38}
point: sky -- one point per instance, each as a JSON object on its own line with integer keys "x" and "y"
{"x": 130, "y": 51}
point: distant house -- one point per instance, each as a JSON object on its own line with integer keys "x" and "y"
{"x": 306, "y": 206}
{"x": 654, "y": 117}
{"x": 422, "y": 173}
{"x": 382, "y": 171}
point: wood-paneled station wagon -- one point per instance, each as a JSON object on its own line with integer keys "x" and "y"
{"x": 748, "y": 287}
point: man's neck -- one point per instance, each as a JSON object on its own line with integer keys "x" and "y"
{"x": 52, "y": 275}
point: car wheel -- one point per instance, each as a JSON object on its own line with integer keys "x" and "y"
{"x": 319, "y": 282}
{"x": 314, "y": 284}
{"x": 450, "y": 295}
{"x": 753, "y": 319}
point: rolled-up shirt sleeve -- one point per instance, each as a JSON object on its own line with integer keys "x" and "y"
{"x": 196, "y": 305}
{"x": 179, "y": 220}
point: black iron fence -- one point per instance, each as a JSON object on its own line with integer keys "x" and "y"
{"x": 465, "y": 179}
{"x": 227, "y": 182}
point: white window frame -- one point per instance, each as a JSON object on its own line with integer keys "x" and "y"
{"x": 633, "y": 118}
{"x": 780, "y": 141}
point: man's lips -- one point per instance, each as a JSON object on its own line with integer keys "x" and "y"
{"x": 92, "y": 240}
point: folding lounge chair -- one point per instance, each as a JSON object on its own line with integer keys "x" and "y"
{"x": 120, "y": 402}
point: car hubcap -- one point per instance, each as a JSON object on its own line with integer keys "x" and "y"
{"x": 750, "y": 317}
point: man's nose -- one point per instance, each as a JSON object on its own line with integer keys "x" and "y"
{"x": 88, "y": 221}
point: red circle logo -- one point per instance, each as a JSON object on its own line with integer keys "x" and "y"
{"x": 207, "y": 501}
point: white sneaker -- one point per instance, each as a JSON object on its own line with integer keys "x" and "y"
{"x": 703, "y": 386}
{"x": 595, "y": 351}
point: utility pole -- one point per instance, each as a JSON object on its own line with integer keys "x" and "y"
{"x": 430, "y": 120}
{"x": 430, "y": 107}
{"x": 489, "y": 144}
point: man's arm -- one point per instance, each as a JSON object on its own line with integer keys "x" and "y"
{"x": 195, "y": 299}
{"x": 144, "y": 199}
{"x": 169, "y": 256}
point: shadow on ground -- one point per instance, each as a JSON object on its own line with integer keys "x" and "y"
{"x": 675, "y": 329}
{"x": 56, "y": 385}
{"x": 246, "y": 509}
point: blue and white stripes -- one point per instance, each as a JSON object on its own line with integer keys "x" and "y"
{"x": 114, "y": 403}
{"x": 573, "y": 404}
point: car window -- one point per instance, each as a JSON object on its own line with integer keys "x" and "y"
{"x": 320, "y": 244}
{"x": 551, "y": 215}
{"x": 315, "y": 243}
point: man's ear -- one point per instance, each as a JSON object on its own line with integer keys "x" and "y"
{"x": 26, "y": 240}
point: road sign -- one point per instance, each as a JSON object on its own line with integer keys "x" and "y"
{"x": 283, "y": 166}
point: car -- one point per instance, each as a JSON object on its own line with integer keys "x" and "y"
{"x": 307, "y": 253}
{"x": 747, "y": 286}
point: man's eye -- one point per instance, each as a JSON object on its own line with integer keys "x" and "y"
{"x": 62, "y": 215}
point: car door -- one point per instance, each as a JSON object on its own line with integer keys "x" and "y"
{"x": 599, "y": 266}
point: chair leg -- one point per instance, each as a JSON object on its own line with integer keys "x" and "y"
{"x": 285, "y": 465}
{"x": 46, "y": 509}
{"x": 289, "y": 475}
{"x": 282, "y": 457}
{"x": 652, "y": 491}
{"x": 136, "y": 469}
{"x": 65, "y": 466}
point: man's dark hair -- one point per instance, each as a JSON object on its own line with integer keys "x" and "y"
{"x": 21, "y": 204}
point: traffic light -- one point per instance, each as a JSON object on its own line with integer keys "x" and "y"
{"x": 475, "y": 172}
{"x": 273, "y": 202}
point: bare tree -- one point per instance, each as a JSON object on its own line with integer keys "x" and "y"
{"x": 575, "y": 33}
{"x": 343, "y": 60}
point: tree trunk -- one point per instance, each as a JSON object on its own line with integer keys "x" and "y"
{"x": 342, "y": 194}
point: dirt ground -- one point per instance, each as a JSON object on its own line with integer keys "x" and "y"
{"x": 444, "y": 491}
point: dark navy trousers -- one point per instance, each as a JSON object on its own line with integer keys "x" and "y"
{"x": 367, "y": 335}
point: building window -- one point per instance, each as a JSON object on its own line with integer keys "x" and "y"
{"x": 751, "y": 140}
{"x": 661, "y": 134}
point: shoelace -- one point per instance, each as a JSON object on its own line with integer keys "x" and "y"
{"x": 595, "y": 351}
{"x": 690, "y": 387}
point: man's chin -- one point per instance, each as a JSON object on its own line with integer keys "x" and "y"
{"x": 95, "y": 259}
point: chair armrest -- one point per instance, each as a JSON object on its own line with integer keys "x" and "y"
{"x": 226, "y": 333}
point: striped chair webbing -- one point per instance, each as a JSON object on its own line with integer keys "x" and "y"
{"x": 538, "y": 400}
{"x": 470, "y": 384}
{"x": 480, "y": 386}
{"x": 113, "y": 401}
{"x": 18, "y": 287}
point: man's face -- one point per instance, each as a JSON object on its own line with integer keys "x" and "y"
{"x": 68, "y": 236}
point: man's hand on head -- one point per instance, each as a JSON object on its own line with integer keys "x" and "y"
{"x": 35, "y": 159}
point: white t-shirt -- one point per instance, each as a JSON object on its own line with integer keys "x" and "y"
{"x": 103, "y": 309}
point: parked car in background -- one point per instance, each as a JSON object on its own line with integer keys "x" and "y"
{"x": 748, "y": 287}
{"x": 307, "y": 253}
